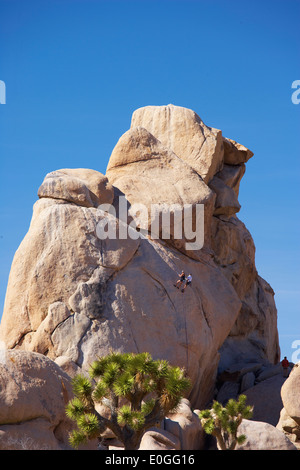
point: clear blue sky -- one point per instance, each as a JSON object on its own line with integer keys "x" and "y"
{"x": 75, "y": 70}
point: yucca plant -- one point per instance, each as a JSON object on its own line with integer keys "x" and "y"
{"x": 137, "y": 390}
{"x": 223, "y": 422}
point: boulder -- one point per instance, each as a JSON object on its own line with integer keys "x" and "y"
{"x": 289, "y": 421}
{"x": 227, "y": 391}
{"x": 239, "y": 369}
{"x": 33, "y": 394}
{"x": 157, "y": 183}
{"x": 186, "y": 426}
{"x": 263, "y": 436}
{"x": 159, "y": 440}
{"x": 247, "y": 381}
{"x": 270, "y": 370}
{"x": 235, "y": 153}
{"x": 35, "y": 434}
{"x": 266, "y": 399}
{"x": 291, "y": 429}
{"x": 183, "y": 131}
{"x": 290, "y": 393}
{"x": 82, "y": 186}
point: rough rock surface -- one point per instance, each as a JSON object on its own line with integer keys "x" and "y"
{"x": 150, "y": 174}
{"x": 159, "y": 439}
{"x": 235, "y": 153}
{"x": 183, "y": 131}
{"x": 263, "y": 436}
{"x": 289, "y": 421}
{"x": 81, "y": 186}
{"x": 261, "y": 383}
{"x": 266, "y": 400}
{"x": 33, "y": 395}
{"x": 186, "y": 425}
{"x": 290, "y": 393}
{"x": 72, "y": 296}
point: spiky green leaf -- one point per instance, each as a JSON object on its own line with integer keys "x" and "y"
{"x": 204, "y": 414}
{"x": 82, "y": 386}
{"x": 241, "y": 439}
{"x": 89, "y": 425}
{"x": 232, "y": 407}
{"x": 137, "y": 420}
{"x": 208, "y": 425}
{"x": 148, "y": 406}
{"x": 124, "y": 415}
{"x": 75, "y": 408}
{"x": 124, "y": 384}
{"x": 100, "y": 391}
{"x": 76, "y": 438}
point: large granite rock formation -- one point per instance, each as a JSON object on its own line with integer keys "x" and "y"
{"x": 73, "y": 295}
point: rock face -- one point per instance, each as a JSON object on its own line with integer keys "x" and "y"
{"x": 33, "y": 395}
{"x": 186, "y": 425}
{"x": 289, "y": 421}
{"x": 263, "y": 436}
{"x": 152, "y": 176}
{"x": 261, "y": 383}
{"x": 73, "y": 295}
{"x": 182, "y": 130}
{"x": 83, "y": 187}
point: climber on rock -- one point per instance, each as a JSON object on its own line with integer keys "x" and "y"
{"x": 285, "y": 365}
{"x": 180, "y": 280}
{"x": 188, "y": 282}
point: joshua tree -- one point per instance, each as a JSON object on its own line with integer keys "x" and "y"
{"x": 136, "y": 390}
{"x": 223, "y": 422}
